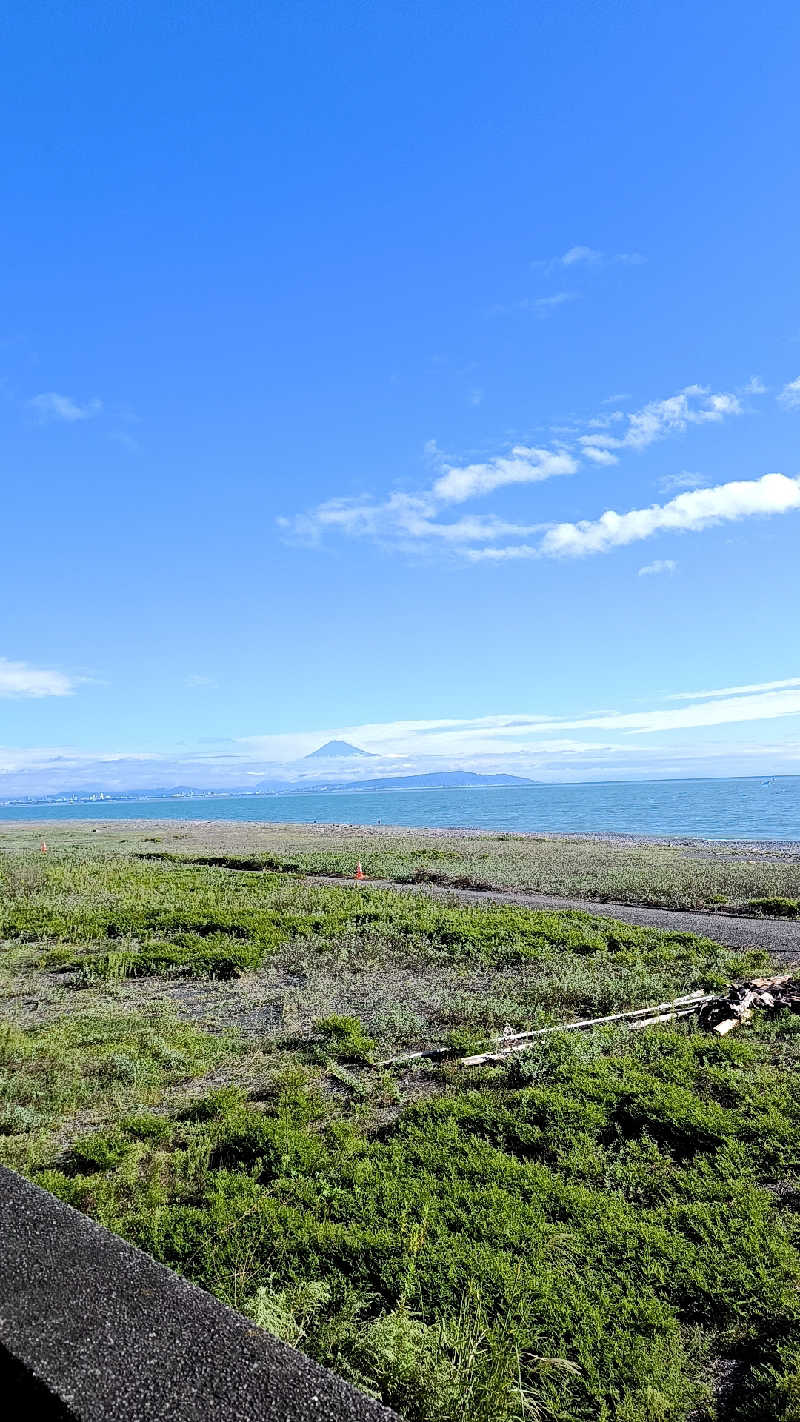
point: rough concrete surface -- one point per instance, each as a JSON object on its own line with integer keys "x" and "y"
{"x": 92, "y": 1328}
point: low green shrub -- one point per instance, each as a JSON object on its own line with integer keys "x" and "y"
{"x": 143, "y": 1126}
{"x": 102, "y": 1151}
{"x": 578, "y": 1236}
{"x": 17, "y": 1120}
{"x": 344, "y": 1039}
{"x": 575, "y": 1238}
{"x": 773, "y": 908}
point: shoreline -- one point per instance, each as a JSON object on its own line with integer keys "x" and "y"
{"x": 755, "y": 847}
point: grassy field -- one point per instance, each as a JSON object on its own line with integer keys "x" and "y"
{"x": 606, "y": 1227}
{"x": 689, "y": 874}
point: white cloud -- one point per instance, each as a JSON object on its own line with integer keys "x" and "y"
{"x": 402, "y": 518}
{"x": 694, "y": 405}
{"x": 719, "y": 712}
{"x": 545, "y": 304}
{"x": 688, "y": 513}
{"x": 541, "y": 305}
{"x": 520, "y": 731}
{"x": 685, "y": 480}
{"x": 790, "y": 395}
{"x": 754, "y": 386}
{"x": 660, "y": 565}
{"x": 579, "y": 254}
{"x": 409, "y": 520}
{"x": 18, "y": 679}
{"x": 52, "y": 406}
{"x": 603, "y": 422}
{"x": 587, "y": 745}
{"x": 523, "y": 466}
{"x": 509, "y": 554}
{"x": 197, "y": 680}
{"x": 599, "y": 456}
{"x": 583, "y": 256}
{"x": 789, "y": 681}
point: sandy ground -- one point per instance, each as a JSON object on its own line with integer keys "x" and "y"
{"x": 231, "y": 832}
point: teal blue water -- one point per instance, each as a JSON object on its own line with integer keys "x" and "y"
{"x": 710, "y": 809}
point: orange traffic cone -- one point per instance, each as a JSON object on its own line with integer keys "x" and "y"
{"x": 359, "y": 871}
{"x": 43, "y": 847}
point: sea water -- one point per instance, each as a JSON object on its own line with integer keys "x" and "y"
{"x": 767, "y": 809}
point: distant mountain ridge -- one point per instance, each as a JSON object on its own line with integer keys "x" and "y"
{"x": 336, "y": 748}
{"x": 433, "y": 780}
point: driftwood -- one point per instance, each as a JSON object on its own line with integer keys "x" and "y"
{"x": 719, "y": 1013}
{"x": 723, "y": 1014}
{"x": 427, "y": 1053}
{"x": 691, "y": 997}
{"x": 662, "y": 1017}
{"x": 509, "y": 1040}
{"x": 637, "y": 1017}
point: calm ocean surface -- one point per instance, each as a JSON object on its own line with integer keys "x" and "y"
{"x": 712, "y": 809}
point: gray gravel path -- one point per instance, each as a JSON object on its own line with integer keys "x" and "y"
{"x": 780, "y": 937}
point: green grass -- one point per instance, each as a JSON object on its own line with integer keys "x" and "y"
{"x": 678, "y": 875}
{"x": 657, "y": 875}
{"x": 104, "y": 918}
{"x": 89, "y": 1063}
{"x": 585, "y": 1233}
{"x": 599, "y": 1230}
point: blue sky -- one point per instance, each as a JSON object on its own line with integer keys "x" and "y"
{"x": 424, "y": 374}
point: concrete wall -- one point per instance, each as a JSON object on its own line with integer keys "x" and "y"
{"x": 91, "y": 1328}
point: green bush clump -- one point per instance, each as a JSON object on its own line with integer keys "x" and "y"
{"x": 101, "y": 1151}
{"x": 182, "y": 960}
{"x": 17, "y": 1120}
{"x": 774, "y": 907}
{"x": 88, "y": 1058}
{"x": 583, "y": 1234}
{"x": 579, "y": 1235}
{"x": 344, "y": 1039}
{"x": 143, "y": 1126}
{"x": 465, "y": 1040}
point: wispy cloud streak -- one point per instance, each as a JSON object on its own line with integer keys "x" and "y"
{"x": 414, "y": 520}
{"x": 583, "y": 256}
{"x": 52, "y": 406}
{"x": 660, "y": 565}
{"x": 790, "y": 395}
{"x": 19, "y": 679}
{"x": 790, "y": 681}
{"x": 694, "y": 405}
{"x": 688, "y": 513}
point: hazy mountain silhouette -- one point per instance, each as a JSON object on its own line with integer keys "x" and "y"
{"x": 336, "y": 748}
{"x": 433, "y": 780}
